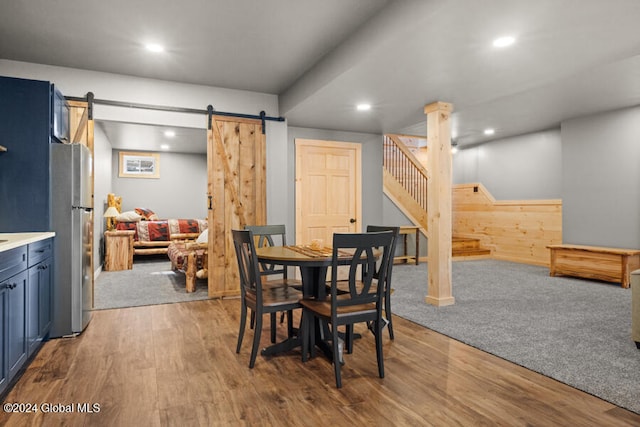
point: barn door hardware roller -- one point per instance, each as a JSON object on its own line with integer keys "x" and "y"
{"x": 262, "y": 117}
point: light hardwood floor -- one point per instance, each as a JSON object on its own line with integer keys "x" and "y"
{"x": 176, "y": 364}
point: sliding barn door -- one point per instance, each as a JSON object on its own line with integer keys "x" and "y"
{"x": 237, "y": 194}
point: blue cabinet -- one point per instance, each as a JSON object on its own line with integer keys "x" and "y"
{"x": 13, "y": 286}
{"x": 38, "y": 294}
{"x": 25, "y": 305}
{"x": 25, "y": 129}
{"x": 44, "y": 299}
{"x": 16, "y": 327}
{"x": 4, "y": 378}
{"x": 32, "y": 310}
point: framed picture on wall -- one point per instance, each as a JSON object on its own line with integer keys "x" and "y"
{"x": 139, "y": 165}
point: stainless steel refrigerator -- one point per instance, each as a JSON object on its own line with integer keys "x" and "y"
{"x": 72, "y": 221}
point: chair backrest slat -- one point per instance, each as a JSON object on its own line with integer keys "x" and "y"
{"x": 265, "y": 235}
{"x": 396, "y": 232}
{"x": 249, "y": 271}
{"x": 365, "y": 247}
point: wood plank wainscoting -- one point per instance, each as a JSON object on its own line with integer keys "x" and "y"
{"x": 514, "y": 230}
{"x": 175, "y": 364}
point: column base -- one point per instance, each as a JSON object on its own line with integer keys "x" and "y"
{"x": 439, "y": 302}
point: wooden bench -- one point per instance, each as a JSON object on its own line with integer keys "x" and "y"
{"x": 594, "y": 262}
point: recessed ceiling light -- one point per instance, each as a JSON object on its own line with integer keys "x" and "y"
{"x": 489, "y": 131}
{"x": 164, "y": 147}
{"x": 363, "y": 107}
{"x": 504, "y": 41}
{"x": 169, "y": 133}
{"x": 154, "y": 47}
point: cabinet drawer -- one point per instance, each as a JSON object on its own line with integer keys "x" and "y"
{"x": 39, "y": 251}
{"x": 13, "y": 261}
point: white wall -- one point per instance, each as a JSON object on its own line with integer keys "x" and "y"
{"x": 179, "y": 192}
{"x": 600, "y": 176}
{"x": 102, "y": 186}
{"x": 116, "y": 87}
{"x": 591, "y": 164}
{"x": 521, "y": 167}
{"x": 75, "y": 82}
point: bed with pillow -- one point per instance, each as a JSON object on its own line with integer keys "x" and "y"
{"x": 153, "y": 235}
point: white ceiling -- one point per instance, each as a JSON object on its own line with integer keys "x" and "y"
{"x": 571, "y": 57}
{"x": 143, "y": 137}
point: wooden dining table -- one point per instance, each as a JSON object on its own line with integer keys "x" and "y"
{"x": 313, "y": 264}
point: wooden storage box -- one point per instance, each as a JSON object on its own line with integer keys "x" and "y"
{"x": 594, "y": 262}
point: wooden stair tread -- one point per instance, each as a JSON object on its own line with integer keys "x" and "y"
{"x": 467, "y": 247}
{"x": 471, "y": 252}
{"x": 465, "y": 243}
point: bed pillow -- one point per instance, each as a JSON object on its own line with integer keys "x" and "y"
{"x": 128, "y": 216}
{"x": 203, "y": 237}
{"x": 146, "y": 214}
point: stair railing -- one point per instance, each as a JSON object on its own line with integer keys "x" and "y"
{"x": 400, "y": 162}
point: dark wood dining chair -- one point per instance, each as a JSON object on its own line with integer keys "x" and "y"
{"x": 362, "y": 302}
{"x": 273, "y": 235}
{"x": 260, "y": 300}
{"x": 386, "y": 281}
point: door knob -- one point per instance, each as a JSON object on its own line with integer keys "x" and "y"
{"x": 352, "y": 220}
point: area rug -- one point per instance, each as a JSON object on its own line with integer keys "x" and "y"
{"x": 150, "y": 282}
{"x": 575, "y": 331}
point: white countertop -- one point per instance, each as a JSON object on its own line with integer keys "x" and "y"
{"x": 15, "y": 240}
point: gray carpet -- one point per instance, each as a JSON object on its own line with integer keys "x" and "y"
{"x": 150, "y": 282}
{"x": 575, "y": 331}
